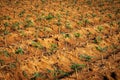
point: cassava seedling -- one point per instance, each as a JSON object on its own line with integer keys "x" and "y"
{"x": 6, "y": 17}
{"x": 36, "y": 44}
{"x": 118, "y": 24}
{"x": 12, "y": 65}
{"x": 89, "y": 2}
{"x": 43, "y": 1}
{"x": 100, "y": 28}
{"x": 58, "y": 72}
{"x": 48, "y": 70}
{"x": 85, "y": 57}
{"x": 6, "y": 53}
{"x": 54, "y": 47}
{"x": 76, "y": 66}
{"x": 29, "y": 23}
{"x": 80, "y": 23}
{"x": 109, "y": 15}
{"x": 6, "y": 32}
{"x": 24, "y": 74}
{"x": 101, "y": 49}
{"x": 98, "y": 39}
{"x": 68, "y": 25}
{"x": 111, "y": 23}
{"x": 37, "y": 5}
{"x": 22, "y": 33}
{"x": 49, "y": 16}
{"x": 77, "y": 35}
{"x": 19, "y": 51}
{"x": 67, "y": 35}
{"x": 21, "y": 13}
{"x": 67, "y": 13}
{"x": 93, "y": 15}
{"x": 15, "y": 25}
{"x": 6, "y": 24}
{"x": 2, "y": 62}
{"x": 37, "y": 75}
{"x": 86, "y": 21}
{"x": 74, "y": 2}
{"x": 58, "y": 22}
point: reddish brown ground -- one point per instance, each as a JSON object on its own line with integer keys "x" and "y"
{"x": 59, "y": 40}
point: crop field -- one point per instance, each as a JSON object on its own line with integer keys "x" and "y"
{"x": 59, "y": 39}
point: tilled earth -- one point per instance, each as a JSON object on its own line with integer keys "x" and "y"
{"x": 59, "y": 40}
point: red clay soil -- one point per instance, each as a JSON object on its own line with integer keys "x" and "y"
{"x": 59, "y": 39}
